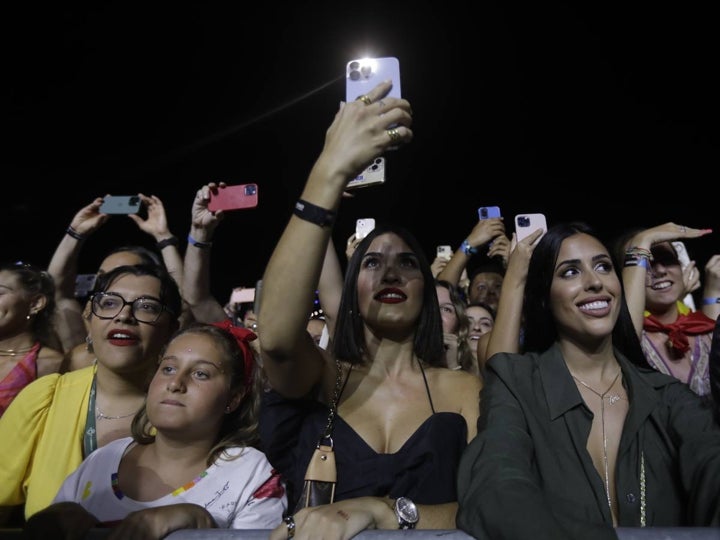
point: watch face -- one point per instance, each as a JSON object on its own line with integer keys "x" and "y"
{"x": 407, "y": 510}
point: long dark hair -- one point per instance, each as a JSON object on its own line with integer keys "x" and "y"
{"x": 540, "y": 327}
{"x": 349, "y": 339}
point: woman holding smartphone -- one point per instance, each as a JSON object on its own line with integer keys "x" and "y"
{"x": 402, "y": 418}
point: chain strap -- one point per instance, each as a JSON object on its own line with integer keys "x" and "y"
{"x": 643, "y": 501}
{"x": 327, "y": 433}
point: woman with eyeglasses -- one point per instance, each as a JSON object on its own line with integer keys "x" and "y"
{"x": 27, "y": 306}
{"x": 58, "y": 420}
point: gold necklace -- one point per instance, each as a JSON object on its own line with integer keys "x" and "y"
{"x": 99, "y": 415}
{"x": 15, "y": 352}
{"x": 613, "y": 398}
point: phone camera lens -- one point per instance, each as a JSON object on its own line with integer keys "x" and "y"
{"x": 524, "y": 221}
{"x": 250, "y": 190}
{"x": 484, "y": 212}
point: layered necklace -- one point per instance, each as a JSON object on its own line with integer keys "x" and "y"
{"x": 612, "y": 399}
{"x": 15, "y": 352}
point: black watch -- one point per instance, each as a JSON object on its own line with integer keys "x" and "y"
{"x": 407, "y": 513}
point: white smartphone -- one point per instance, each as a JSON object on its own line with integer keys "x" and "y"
{"x": 526, "y": 224}
{"x": 444, "y": 252}
{"x": 363, "y": 226}
{"x": 364, "y": 74}
{"x": 242, "y": 295}
{"x": 684, "y": 259}
{"x": 372, "y": 176}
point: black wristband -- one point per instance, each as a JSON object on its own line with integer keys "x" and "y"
{"x": 76, "y": 235}
{"x": 314, "y": 214}
{"x": 172, "y": 241}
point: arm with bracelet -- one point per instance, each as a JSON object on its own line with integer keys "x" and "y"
{"x": 196, "y": 276}
{"x": 63, "y": 267}
{"x": 387, "y": 273}
{"x": 710, "y": 303}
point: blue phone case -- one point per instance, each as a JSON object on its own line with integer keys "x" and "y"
{"x": 486, "y": 212}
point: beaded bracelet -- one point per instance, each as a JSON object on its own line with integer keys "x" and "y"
{"x": 635, "y": 251}
{"x": 710, "y": 301}
{"x": 314, "y": 214}
{"x": 197, "y": 244}
{"x": 76, "y": 235}
{"x": 172, "y": 241}
{"x": 467, "y": 249}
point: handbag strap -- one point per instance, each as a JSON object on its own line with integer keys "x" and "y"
{"x": 327, "y": 433}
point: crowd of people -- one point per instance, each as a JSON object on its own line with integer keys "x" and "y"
{"x": 559, "y": 386}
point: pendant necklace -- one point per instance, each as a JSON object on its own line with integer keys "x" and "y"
{"x": 612, "y": 398}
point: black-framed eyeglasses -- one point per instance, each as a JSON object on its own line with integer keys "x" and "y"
{"x": 144, "y": 309}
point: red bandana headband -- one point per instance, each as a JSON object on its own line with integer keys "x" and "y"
{"x": 243, "y": 337}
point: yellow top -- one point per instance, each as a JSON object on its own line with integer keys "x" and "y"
{"x": 41, "y": 436}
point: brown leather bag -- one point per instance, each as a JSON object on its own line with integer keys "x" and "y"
{"x": 321, "y": 473}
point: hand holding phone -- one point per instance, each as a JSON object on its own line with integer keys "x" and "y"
{"x": 364, "y": 74}
{"x": 444, "y": 252}
{"x": 120, "y": 204}
{"x": 487, "y": 212}
{"x": 235, "y": 197}
{"x": 526, "y": 224}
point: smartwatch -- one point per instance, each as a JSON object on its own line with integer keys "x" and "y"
{"x": 406, "y": 512}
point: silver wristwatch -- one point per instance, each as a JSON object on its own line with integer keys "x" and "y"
{"x": 406, "y": 512}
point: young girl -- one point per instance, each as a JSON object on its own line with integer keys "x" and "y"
{"x": 192, "y": 461}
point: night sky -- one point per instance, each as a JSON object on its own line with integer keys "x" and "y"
{"x": 602, "y": 112}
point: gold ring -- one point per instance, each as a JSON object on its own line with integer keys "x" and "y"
{"x": 683, "y": 228}
{"x": 366, "y": 100}
{"x": 394, "y": 134}
{"x": 290, "y": 524}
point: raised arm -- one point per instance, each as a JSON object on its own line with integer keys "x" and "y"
{"x": 505, "y": 333}
{"x": 637, "y": 263}
{"x": 69, "y": 324}
{"x": 196, "y": 275}
{"x": 156, "y": 225}
{"x": 484, "y": 231}
{"x": 359, "y": 133}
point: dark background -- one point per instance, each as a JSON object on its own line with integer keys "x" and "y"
{"x": 604, "y": 112}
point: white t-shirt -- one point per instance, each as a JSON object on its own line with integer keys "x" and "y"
{"x": 242, "y": 493}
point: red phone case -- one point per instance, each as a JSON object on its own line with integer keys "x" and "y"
{"x": 237, "y": 197}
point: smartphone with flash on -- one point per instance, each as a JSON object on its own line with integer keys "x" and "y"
{"x": 526, "y": 224}
{"x": 364, "y": 74}
{"x": 235, "y": 197}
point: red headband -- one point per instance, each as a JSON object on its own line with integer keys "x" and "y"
{"x": 243, "y": 337}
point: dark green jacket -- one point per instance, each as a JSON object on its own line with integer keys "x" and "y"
{"x": 528, "y": 474}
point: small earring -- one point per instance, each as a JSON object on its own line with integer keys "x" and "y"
{"x": 88, "y": 343}
{"x": 27, "y": 316}
{"x": 227, "y": 409}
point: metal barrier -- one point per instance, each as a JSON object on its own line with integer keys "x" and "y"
{"x": 624, "y": 533}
